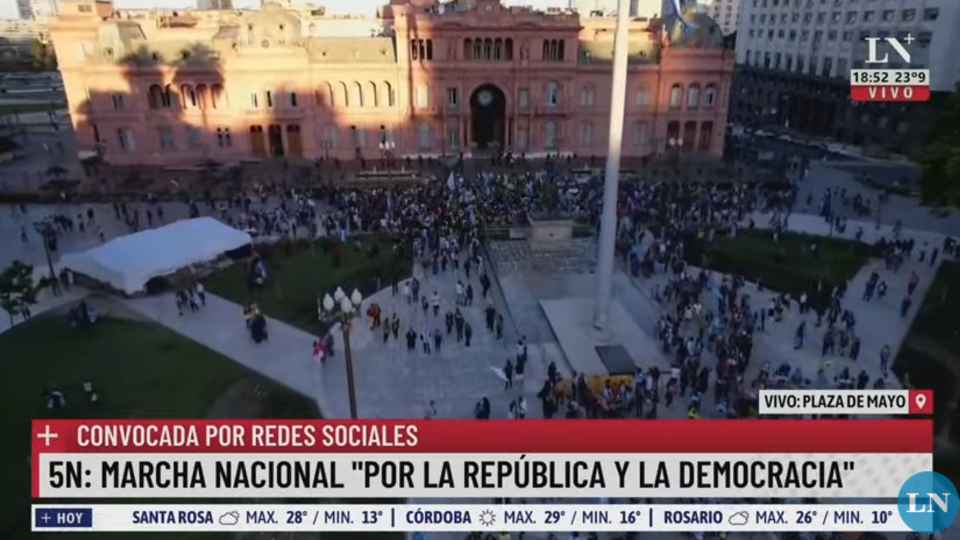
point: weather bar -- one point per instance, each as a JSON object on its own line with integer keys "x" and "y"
{"x": 468, "y": 518}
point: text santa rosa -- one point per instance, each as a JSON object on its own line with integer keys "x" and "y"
{"x": 476, "y": 459}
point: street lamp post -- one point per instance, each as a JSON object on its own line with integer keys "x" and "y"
{"x": 387, "y": 148}
{"x": 343, "y": 309}
{"x": 49, "y": 237}
{"x": 675, "y": 145}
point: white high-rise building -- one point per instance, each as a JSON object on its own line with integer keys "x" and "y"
{"x": 725, "y": 12}
{"x": 826, "y": 37}
{"x": 37, "y": 9}
{"x": 795, "y": 58}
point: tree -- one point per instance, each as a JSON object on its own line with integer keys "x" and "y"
{"x": 43, "y": 53}
{"x": 17, "y": 289}
{"x": 940, "y": 159}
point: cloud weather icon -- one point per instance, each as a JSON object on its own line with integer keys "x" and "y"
{"x": 740, "y": 518}
{"x": 230, "y": 518}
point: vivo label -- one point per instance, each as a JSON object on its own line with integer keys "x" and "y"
{"x": 877, "y": 54}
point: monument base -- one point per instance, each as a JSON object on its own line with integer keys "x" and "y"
{"x": 622, "y": 346}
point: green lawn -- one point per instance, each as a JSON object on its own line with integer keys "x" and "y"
{"x": 300, "y": 273}
{"x": 931, "y": 352}
{"x": 23, "y": 108}
{"x": 788, "y": 265}
{"x": 140, "y": 370}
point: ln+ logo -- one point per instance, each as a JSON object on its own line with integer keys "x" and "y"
{"x": 873, "y": 49}
{"x": 928, "y": 503}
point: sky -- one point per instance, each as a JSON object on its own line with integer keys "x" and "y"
{"x": 8, "y": 8}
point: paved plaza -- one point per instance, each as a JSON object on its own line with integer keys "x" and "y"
{"x": 393, "y": 382}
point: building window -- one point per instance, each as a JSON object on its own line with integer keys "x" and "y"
{"x": 553, "y": 50}
{"x": 293, "y": 99}
{"x": 125, "y": 140}
{"x": 931, "y": 14}
{"x": 644, "y": 98}
{"x": 357, "y": 97}
{"x": 523, "y": 139}
{"x": 329, "y": 137}
{"x": 586, "y": 96}
{"x": 165, "y": 136}
{"x": 908, "y": 15}
{"x": 523, "y": 99}
{"x": 423, "y": 136}
{"x": 693, "y": 97}
{"x": 388, "y": 94}
{"x": 551, "y": 138}
{"x": 586, "y": 134}
{"x": 423, "y": 96}
{"x": 117, "y": 100}
{"x": 889, "y": 15}
{"x": 453, "y": 97}
{"x": 194, "y": 137}
{"x": 269, "y": 101}
{"x": 223, "y": 138}
{"x": 710, "y": 95}
{"x": 553, "y": 94}
{"x": 254, "y": 100}
{"x": 676, "y": 96}
{"x": 421, "y": 49}
{"x": 640, "y": 133}
{"x": 356, "y": 137}
{"x": 218, "y": 98}
{"x": 869, "y": 16}
{"x": 189, "y": 96}
{"x": 84, "y": 8}
{"x": 453, "y": 137}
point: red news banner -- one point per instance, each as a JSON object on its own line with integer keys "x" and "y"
{"x": 570, "y": 458}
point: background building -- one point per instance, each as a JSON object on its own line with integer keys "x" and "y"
{"x": 794, "y": 59}
{"x": 638, "y": 8}
{"x": 37, "y": 9}
{"x": 475, "y": 79}
{"x": 214, "y": 4}
{"x": 18, "y": 37}
{"x": 725, "y": 12}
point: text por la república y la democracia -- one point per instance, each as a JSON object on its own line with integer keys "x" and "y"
{"x": 476, "y": 474}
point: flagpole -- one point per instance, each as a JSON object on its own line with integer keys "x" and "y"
{"x": 608, "y": 219}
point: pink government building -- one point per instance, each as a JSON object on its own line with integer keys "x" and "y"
{"x": 421, "y": 79}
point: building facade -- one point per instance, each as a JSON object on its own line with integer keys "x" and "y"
{"x": 469, "y": 78}
{"x": 794, "y": 59}
{"x": 214, "y": 4}
{"x": 17, "y": 37}
{"x": 37, "y": 9}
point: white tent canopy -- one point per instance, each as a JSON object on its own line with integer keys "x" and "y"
{"x": 128, "y": 262}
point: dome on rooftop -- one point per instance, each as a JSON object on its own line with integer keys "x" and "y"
{"x": 693, "y": 30}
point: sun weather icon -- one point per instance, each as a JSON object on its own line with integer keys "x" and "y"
{"x": 488, "y": 518}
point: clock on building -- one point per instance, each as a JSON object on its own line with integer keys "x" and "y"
{"x": 484, "y": 98}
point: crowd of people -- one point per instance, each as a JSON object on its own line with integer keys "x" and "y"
{"x": 709, "y": 321}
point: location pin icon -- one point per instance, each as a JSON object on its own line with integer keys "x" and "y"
{"x": 921, "y": 401}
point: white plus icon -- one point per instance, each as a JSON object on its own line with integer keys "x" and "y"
{"x": 47, "y": 435}
{"x": 909, "y": 39}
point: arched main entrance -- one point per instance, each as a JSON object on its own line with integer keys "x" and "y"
{"x": 488, "y": 117}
